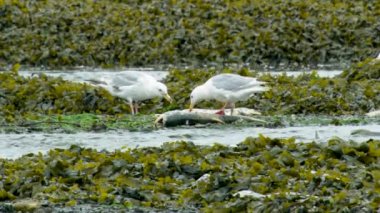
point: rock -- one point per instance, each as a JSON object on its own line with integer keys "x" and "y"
{"x": 250, "y": 193}
{"x": 375, "y": 113}
{"x": 26, "y": 205}
{"x": 364, "y": 132}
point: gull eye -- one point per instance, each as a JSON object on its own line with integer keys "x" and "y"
{"x": 160, "y": 90}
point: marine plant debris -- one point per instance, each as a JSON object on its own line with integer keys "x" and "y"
{"x": 142, "y": 33}
{"x": 256, "y": 175}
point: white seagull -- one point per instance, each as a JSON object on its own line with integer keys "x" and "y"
{"x": 227, "y": 88}
{"x": 133, "y": 86}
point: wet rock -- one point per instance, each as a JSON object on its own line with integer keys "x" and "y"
{"x": 364, "y": 132}
{"x": 204, "y": 178}
{"x": 336, "y": 172}
{"x": 7, "y": 207}
{"x": 375, "y": 113}
{"x": 26, "y": 205}
{"x": 249, "y": 193}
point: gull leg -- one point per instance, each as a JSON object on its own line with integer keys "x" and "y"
{"x": 132, "y": 109}
{"x": 232, "y": 108}
{"x": 136, "y": 105}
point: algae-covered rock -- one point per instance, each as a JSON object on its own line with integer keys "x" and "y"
{"x": 256, "y": 175}
{"x": 365, "y": 132}
{"x": 28, "y": 97}
{"x": 26, "y": 205}
{"x": 141, "y": 33}
{"x": 374, "y": 113}
{"x": 368, "y": 69}
{"x": 355, "y": 92}
{"x": 48, "y": 95}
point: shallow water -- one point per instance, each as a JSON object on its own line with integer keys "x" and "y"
{"x": 16, "y": 145}
{"x": 81, "y": 75}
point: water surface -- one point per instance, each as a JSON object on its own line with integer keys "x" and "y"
{"x": 82, "y": 74}
{"x": 16, "y": 145}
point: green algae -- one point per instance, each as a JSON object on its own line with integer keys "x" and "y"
{"x": 22, "y": 99}
{"x": 290, "y": 176}
{"x": 28, "y": 98}
{"x": 80, "y": 123}
{"x": 141, "y": 33}
{"x": 43, "y": 94}
{"x": 367, "y": 69}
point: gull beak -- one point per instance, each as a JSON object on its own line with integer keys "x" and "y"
{"x": 191, "y": 107}
{"x": 168, "y": 98}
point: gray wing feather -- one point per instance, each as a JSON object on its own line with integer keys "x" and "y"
{"x": 232, "y": 82}
{"x": 124, "y": 80}
{"x": 130, "y": 78}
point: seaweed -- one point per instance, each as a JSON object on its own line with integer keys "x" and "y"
{"x": 25, "y": 99}
{"x": 256, "y": 175}
{"x": 142, "y": 33}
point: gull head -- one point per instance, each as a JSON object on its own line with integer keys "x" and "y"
{"x": 162, "y": 91}
{"x": 198, "y": 94}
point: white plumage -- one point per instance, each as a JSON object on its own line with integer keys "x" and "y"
{"x": 132, "y": 86}
{"x": 227, "y": 88}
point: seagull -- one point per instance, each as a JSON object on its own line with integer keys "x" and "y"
{"x": 378, "y": 57}
{"x": 133, "y": 86}
{"x": 226, "y": 88}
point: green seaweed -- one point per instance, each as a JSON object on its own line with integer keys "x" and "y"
{"x": 142, "y": 33}
{"x": 28, "y": 98}
{"x": 331, "y": 176}
{"x": 25, "y": 99}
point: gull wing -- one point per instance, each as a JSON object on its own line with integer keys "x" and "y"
{"x": 234, "y": 83}
{"x": 129, "y": 78}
